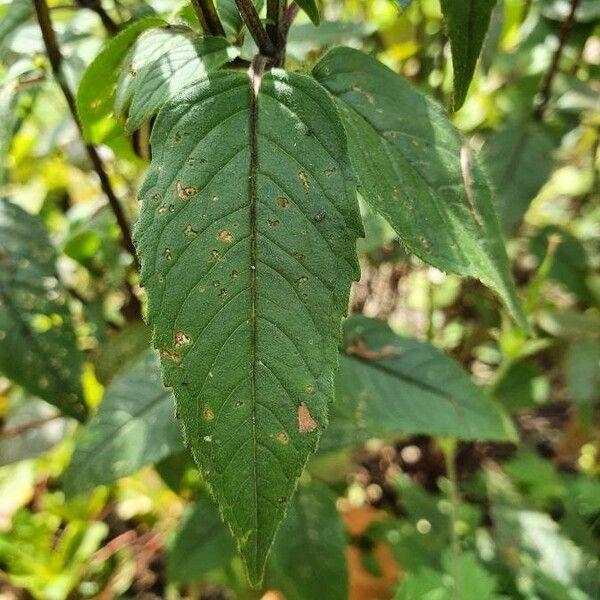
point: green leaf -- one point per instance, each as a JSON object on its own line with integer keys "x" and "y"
{"x": 519, "y": 162}
{"x": 389, "y": 385}
{"x": 201, "y": 543}
{"x": 161, "y": 63}
{"x": 306, "y": 38}
{"x": 311, "y": 8}
{"x": 96, "y": 92}
{"x": 467, "y": 23}
{"x": 464, "y": 577}
{"x": 38, "y": 348}
{"x": 247, "y": 242}
{"x": 570, "y": 262}
{"x": 308, "y": 559}
{"x": 582, "y": 370}
{"x": 122, "y": 348}
{"x": 134, "y": 426}
{"x": 415, "y": 169}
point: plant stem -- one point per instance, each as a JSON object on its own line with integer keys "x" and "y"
{"x": 96, "y": 6}
{"x": 24, "y": 427}
{"x": 546, "y": 86}
{"x": 256, "y": 28}
{"x": 288, "y": 18}
{"x": 449, "y": 450}
{"x": 208, "y": 17}
{"x": 56, "y": 59}
{"x": 275, "y": 10}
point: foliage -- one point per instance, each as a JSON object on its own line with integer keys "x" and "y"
{"x": 196, "y": 399}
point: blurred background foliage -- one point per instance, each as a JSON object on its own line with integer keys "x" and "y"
{"x": 401, "y": 516}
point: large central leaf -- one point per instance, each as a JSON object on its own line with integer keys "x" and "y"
{"x": 247, "y": 241}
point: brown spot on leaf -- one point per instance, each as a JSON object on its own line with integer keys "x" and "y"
{"x": 304, "y": 180}
{"x": 359, "y": 348}
{"x": 181, "y": 339}
{"x": 207, "y": 413}
{"x": 184, "y": 192}
{"x": 172, "y": 356}
{"x": 282, "y": 438}
{"x": 225, "y": 236}
{"x": 306, "y": 423}
{"x": 282, "y": 202}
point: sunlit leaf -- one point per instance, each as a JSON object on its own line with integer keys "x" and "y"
{"x": 247, "y": 233}
{"x": 416, "y": 170}
{"x": 96, "y": 92}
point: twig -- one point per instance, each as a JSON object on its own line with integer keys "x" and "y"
{"x": 546, "y": 87}
{"x": 287, "y": 20}
{"x": 9, "y": 432}
{"x": 96, "y": 6}
{"x": 208, "y": 17}
{"x": 275, "y": 11}
{"x": 256, "y": 28}
{"x": 56, "y": 59}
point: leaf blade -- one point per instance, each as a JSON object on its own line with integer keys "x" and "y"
{"x": 38, "y": 348}
{"x": 95, "y": 93}
{"x": 390, "y": 385}
{"x": 269, "y": 258}
{"x": 134, "y": 427}
{"x": 405, "y": 151}
{"x": 467, "y": 23}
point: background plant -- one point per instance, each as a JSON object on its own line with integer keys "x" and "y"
{"x": 424, "y": 483}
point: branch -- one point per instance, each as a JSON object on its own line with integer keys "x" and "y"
{"x": 95, "y": 6}
{"x": 255, "y": 26}
{"x": 56, "y": 59}
{"x": 24, "y": 427}
{"x": 288, "y": 18}
{"x": 275, "y": 10}
{"x": 208, "y": 17}
{"x": 546, "y": 87}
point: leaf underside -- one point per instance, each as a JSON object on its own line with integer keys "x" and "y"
{"x": 247, "y": 242}
{"x": 38, "y": 346}
{"x": 416, "y": 171}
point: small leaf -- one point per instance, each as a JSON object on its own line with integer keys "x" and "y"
{"x": 519, "y": 162}
{"x": 389, "y": 385}
{"x": 161, "y": 62}
{"x": 311, "y": 9}
{"x": 467, "y": 22}
{"x": 416, "y": 170}
{"x": 134, "y": 426}
{"x": 247, "y": 241}
{"x": 38, "y": 348}
{"x": 201, "y": 544}
{"x": 95, "y": 95}
{"x": 308, "y": 559}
